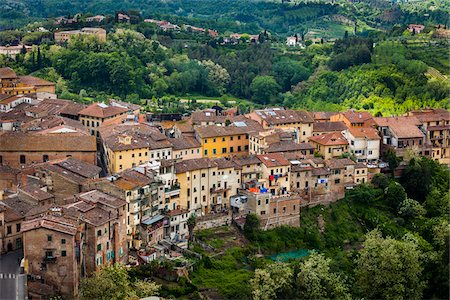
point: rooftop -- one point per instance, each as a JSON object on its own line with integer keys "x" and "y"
{"x": 210, "y": 131}
{"x": 273, "y": 160}
{"x": 369, "y": 133}
{"x": 329, "y": 139}
{"x": 402, "y": 127}
{"x": 100, "y": 110}
{"x": 282, "y": 116}
{"x": 329, "y": 126}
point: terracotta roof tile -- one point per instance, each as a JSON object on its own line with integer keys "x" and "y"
{"x": 364, "y": 132}
{"x": 329, "y": 126}
{"x": 273, "y": 160}
{"x": 329, "y": 139}
{"x": 102, "y": 111}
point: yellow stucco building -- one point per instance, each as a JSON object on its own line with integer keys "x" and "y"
{"x": 222, "y": 141}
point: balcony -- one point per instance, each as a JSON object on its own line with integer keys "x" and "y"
{"x": 172, "y": 190}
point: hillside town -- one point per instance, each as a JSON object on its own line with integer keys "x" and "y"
{"x": 83, "y": 186}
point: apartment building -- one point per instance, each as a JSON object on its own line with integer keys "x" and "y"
{"x": 364, "y": 143}
{"x": 95, "y": 114}
{"x": 222, "y": 141}
{"x": 353, "y": 118}
{"x": 436, "y": 124}
{"x": 131, "y": 144}
{"x": 290, "y": 119}
{"x": 275, "y": 173}
{"x": 330, "y": 145}
{"x": 18, "y": 149}
{"x": 12, "y": 84}
{"x": 402, "y": 134}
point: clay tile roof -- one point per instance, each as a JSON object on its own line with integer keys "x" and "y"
{"x": 61, "y": 224}
{"x": 339, "y": 163}
{"x": 273, "y": 160}
{"x": 35, "y": 192}
{"x": 208, "y": 115}
{"x": 320, "y": 171}
{"x": 19, "y": 206}
{"x": 357, "y": 116}
{"x": 402, "y": 127}
{"x": 17, "y": 141}
{"x": 9, "y": 214}
{"x": 102, "y": 111}
{"x": 184, "y": 142}
{"x": 286, "y": 146}
{"x": 79, "y": 167}
{"x": 365, "y": 132}
{"x": 177, "y": 212}
{"x": 140, "y": 136}
{"x": 184, "y": 127}
{"x": 323, "y": 115}
{"x": 246, "y": 160}
{"x": 7, "y": 73}
{"x": 194, "y": 164}
{"x": 97, "y": 196}
{"x": 209, "y": 131}
{"x": 98, "y": 216}
{"x": 34, "y": 81}
{"x": 329, "y": 139}
{"x": 225, "y": 163}
{"x": 72, "y": 109}
{"x": 430, "y": 115}
{"x": 329, "y": 126}
{"x": 281, "y": 116}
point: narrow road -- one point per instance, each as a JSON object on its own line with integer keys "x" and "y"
{"x": 12, "y": 283}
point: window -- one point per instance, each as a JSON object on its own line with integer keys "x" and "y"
{"x": 370, "y": 152}
{"x": 49, "y": 254}
{"x": 140, "y": 154}
{"x": 224, "y": 150}
{"x": 99, "y": 232}
{"x": 239, "y": 137}
{"x": 337, "y": 181}
{"x": 214, "y": 140}
{"x": 99, "y": 247}
{"x": 203, "y": 175}
{"x": 204, "y": 198}
{"x": 44, "y": 157}
{"x": 329, "y": 150}
{"x": 223, "y": 139}
{"x": 259, "y": 202}
{"x": 214, "y": 151}
{"x": 189, "y": 192}
{"x": 195, "y": 190}
{"x": 64, "y": 253}
{"x": 120, "y": 156}
{"x": 231, "y": 138}
{"x": 1, "y": 159}
{"x": 9, "y": 229}
{"x": 274, "y": 210}
{"x": 206, "y": 141}
{"x": 246, "y": 147}
{"x": 49, "y": 238}
{"x": 267, "y": 201}
{"x": 132, "y": 155}
{"x": 18, "y": 227}
{"x": 63, "y": 241}
{"x": 22, "y": 159}
{"x": 293, "y": 207}
{"x": 239, "y": 148}
{"x": 206, "y": 152}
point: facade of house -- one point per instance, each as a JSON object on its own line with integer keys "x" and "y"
{"x": 19, "y": 149}
{"x": 222, "y": 141}
{"x": 95, "y": 114}
{"x": 364, "y": 143}
{"x": 330, "y": 145}
{"x": 353, "y": 118}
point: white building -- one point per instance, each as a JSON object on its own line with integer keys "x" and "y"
{"x": 364, "y": 143}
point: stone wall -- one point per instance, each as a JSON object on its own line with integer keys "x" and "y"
{"x": 212, "y": 221}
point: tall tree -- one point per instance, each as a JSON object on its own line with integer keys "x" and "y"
{"x": 316, "y": 281}
{"x": 389, "y": 268}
